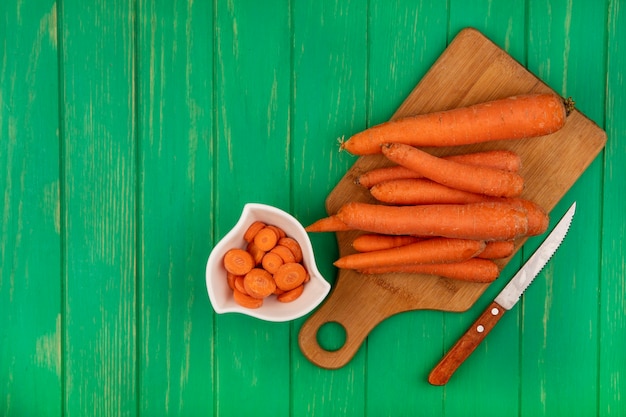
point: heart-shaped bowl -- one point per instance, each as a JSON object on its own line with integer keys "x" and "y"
{"x": 221, "y": 296}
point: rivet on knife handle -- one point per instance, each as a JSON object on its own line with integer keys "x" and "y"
{"x": 466, "y": 344}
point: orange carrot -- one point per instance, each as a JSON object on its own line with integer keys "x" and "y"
{"x": 293, "y": 246}
{"x": 515, "y": 117}
{"x": 474, "y": 270}
{"x": 290, "y": 275}
{"x": 500, "y": 159}
{"x": 291, "y": 295}
{"x": 328, "y": 224}
{"x": 279, "y": 232}
{"x": 266, "y": 238}
{"x": 252, "y": 230}
{"x": 480, "y": 221}
{"x": 373, "y": 241}
{"x": 476, "y": 179}
{"x": 257, "y": 254}
{"x": 497, "y": 249}
{"x": 230, "y": 279}
{"x": 259, "y": 283}
{"x": 285, "y": 254}
{"x": 238, "y": 261}
{"x": 435, "y": 250}
{"x": 271, "y": 262}
{"x": 538, "y": 218}
{"x": 421, "y": 191}
{"x": 245, "y": 300}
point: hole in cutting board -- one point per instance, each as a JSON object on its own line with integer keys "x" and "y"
{"x": 331, "y": 336}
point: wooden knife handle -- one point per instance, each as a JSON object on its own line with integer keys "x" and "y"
{"x": 466, "y": 344}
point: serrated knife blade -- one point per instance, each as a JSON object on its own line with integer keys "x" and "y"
{"x": 504, "y": 301}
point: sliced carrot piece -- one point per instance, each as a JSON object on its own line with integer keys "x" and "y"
{"x": 245, "y": 300}
{"x": 289, "y": 296}
{"x": 271, "y": 262}
{"x": 259, "y": 283}
{"x": 230, "y": 278}
{"x": 252, "y": 230}
{"x": 279, "y": 232}
{"x": 239, "y": 285}
{"x": 266, "y": 238}
{"x": 293, "y": 246}
{"x": 256, "y": 252}
{"x": 284, "y": 252}
{"x": 238, "y": 261}
{"x": 290, "y": 275}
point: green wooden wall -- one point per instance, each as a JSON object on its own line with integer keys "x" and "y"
{"x": 133, "y": 132}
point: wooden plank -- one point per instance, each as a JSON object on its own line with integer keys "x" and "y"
{"x": 561, "y": 308}
{"x": 398, "y": 59}
{"x": 612, "y": 320}
{"x": 504, "y": 24}
{"x": 175, "y": 334}
{"x": 98, "y": 208}
{"x": 329, "y": 100}
{"x": 252, "y": 97}
{"x": 30, "y": 245}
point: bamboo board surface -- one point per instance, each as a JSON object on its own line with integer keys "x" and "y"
{"x": 472, "y": 69}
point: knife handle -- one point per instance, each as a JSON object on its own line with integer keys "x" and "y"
{"x": 464, "y": 347}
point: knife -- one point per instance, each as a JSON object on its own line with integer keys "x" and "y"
{"x": 505, "y": 300}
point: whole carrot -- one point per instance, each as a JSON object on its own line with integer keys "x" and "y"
{"x": 500, "y": 159}
{"x": 516, "y": 117}
{"x": 435, "y": 250}
{"x": 328, "y": 224}
{"x": 374, "y": 241}
{"x": 474, "y": 270}
{"x": 421, "y": 191}
{"x": 472, "y": 178}
{"x": 480, "y": 221}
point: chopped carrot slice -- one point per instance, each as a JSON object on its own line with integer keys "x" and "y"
{"x": 284, "y": 252}
{"x": 293, "y": 246}
{"x": 247, "y": 301}
{"x": 238, "y": 261}
{"x": 257, "y": 254}
{"x": 252, "y": 230}
{"x": 290, "y": 275}
{"x": 279, "y": 232}
{"x": 230, "y": 278}
{"x": 289, "y": 296}
{"x": 239, "y": 285}
{"x": 259, "y": 283}
{"x": 271, "y": 262}
{"x": 266, "y": 239}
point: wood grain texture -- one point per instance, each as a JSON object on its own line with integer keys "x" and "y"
{"x": 30, "y": 243}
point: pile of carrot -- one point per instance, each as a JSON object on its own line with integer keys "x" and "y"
{"x": 450, "y": 216}
{"x": 270, "y": 265}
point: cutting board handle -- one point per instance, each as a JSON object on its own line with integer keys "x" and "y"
{"x": 357, "y": 317}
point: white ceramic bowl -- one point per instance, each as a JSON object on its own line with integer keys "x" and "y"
{"x": 221, "y": 295}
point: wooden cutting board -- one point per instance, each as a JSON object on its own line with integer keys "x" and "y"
{"x": 472, "y": 69}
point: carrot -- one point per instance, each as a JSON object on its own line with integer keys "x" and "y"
{"x": 230, "y": 279}
{"x": 421, "y": 191}
{"x": 271, "y": 262}
{"x": 472, "y": 178}
{"x": 435, "y": 250}
{"x": 293, "y": 246}
{"x": 328, "y": 224}
{"x": 516, "y": 117}
{"x": 290, "y": 275}
{"x": 239, "y": 285}
{"x": 245, "y": 300}
{"x": 259, "y": 283}
{"x": 538, "y": 218}
{"x": 266, "y": 238}
{"x": 480, "y": 221}
{"x": 252, "y": 230}
{"x": 238, "y": 261}
{"x": 474, "y": 270}
{"x": 291, "y": 295}
{"x": 279, "y": 232}
{"x": 500, "y": 159}
{"x": 374, "y": 241}
{"x": 285, "y": 254}
{"x": 497, "y": 249}
{"x": 257, "y": 254}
